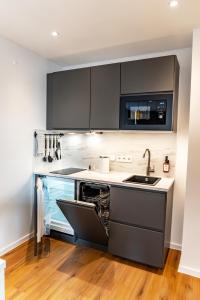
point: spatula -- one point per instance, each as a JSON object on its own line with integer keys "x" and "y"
{"x": 50, "y": 159}
{"x": 45, "y": 149}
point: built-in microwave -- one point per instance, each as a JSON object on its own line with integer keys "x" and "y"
{"x": 146, "y": 112}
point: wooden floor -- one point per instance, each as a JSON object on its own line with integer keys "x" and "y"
{"x": 67, "y": 272}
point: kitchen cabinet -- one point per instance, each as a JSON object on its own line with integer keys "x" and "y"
{"x": 138, "y": 244}
{"x": 138, "y": 207}
{"x": 68, "y": 99}
{"x": 89, "y": 98}
{"x": 157, "y": 74}
{"x": 135, "y": 223}
{"x": 105, "y": 97}
{"x": 140, "y": 224}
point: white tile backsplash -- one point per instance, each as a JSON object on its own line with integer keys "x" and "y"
{"x": 80, "y": 150}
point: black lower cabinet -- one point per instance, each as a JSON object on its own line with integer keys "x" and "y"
{"x": 138, "y": 207}
{"x": 140, "y": 224}
{"x": 137, "y": 244}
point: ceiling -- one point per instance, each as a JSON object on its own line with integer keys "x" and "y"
{"x": 92, "y": 30}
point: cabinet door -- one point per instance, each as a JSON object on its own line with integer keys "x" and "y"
{"x": 68, "y": 99}
{"x": 138, "y": 244}
{"x": 105, "y": 97}
{"x": 148, "y": 75}
{"x": 138, "y": 207}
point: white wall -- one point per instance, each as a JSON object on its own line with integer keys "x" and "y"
{"x": 23, "y": 106}
{"x": 80, "y": 150}
{"x": 184, "y": 57}
{"x": 190, "y": 258}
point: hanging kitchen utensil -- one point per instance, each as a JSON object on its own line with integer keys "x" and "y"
{"x": 59, "y": 150}
{"x": 56, "y": 152}
{"x": 45, "y": 149}
{"x": 39, "y": 144}
{"x": 50, "y": 159}
{"x": 53, "y": 147}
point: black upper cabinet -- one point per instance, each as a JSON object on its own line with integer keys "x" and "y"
{"x": 149, "y": 75}
{"x": 89, "y": 98}
{"x": 105, "y": 97}
{"x": 68, "y": 99}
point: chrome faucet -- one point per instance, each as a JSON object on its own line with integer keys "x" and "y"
{"x": 149, "y": 169}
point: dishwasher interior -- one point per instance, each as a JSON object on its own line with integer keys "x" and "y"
{"x": 98, "y": 194}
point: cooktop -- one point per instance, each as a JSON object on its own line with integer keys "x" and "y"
{"x": 68, "y": 171}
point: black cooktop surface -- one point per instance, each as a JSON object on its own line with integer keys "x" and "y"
{"x": 68, "y": 171}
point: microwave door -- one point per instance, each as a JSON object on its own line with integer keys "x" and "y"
{"x": 84, "y": 220}
{"x": 146, "y": 112}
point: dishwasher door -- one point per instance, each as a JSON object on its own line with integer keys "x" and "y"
{"x": 85, "y": 221}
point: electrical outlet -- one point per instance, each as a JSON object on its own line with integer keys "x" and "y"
{"x": 112, "y": 157}
{"x": 124, "y": 157}
{"x": 129, "y": 157}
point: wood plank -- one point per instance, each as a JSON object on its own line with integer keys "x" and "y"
{"x": 69, "y": 272}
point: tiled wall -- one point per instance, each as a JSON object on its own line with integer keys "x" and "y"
{"x": 80, "y": 150}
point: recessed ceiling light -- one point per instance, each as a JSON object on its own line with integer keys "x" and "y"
{"x": 55, "y": 33}
{"x": 173, "y": 3}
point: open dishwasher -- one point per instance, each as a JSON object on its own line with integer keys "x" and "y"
{"x": 89, "y": 215}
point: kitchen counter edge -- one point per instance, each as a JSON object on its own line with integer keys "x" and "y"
{"x": 162, "y": 186}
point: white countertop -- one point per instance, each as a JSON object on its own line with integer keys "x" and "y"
{"x": 114, "y": 178}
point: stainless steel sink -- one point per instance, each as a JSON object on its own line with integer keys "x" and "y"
{"x": 143, "y": 180}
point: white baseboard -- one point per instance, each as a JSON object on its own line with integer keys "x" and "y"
{"x": 175, "y": 246}
{"x": 189, "y": 271}
{"x": 15, "y": 244}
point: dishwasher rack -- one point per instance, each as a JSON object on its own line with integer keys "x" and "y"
{"x": 98, "y": 194}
